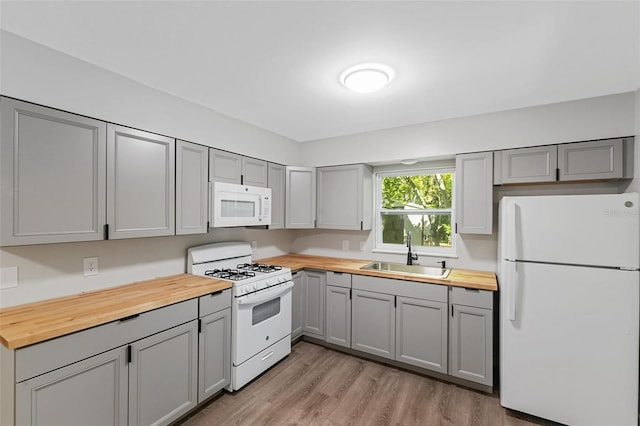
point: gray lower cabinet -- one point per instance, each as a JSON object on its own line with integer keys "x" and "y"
{"x": 296, "y": 305}
{"x": 313, "y": 303}
{"x": 471, "y": 335}
{"x": 163, "y": 376}
{"x": 421, "y": 333}
{"x": 373, "y": 323}
{"x": 214, "y": 344}
{"x": 338, "y": 316}
{"x": 52, "y": 175}
{"x": 90, "y": 392}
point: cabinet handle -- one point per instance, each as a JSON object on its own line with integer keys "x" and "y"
{"x": 452, "y": 310}
{"x": 129, "y": 354}
{"x": 241, "y": 179}
{"x": 557, "y": 174}
{"x": 106, "y": 231}
{"x": 129, "y": 318}
{"x": 361, "y": 226}
{"x": 215, "y": 293}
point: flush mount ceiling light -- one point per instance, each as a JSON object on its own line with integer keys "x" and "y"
{"x": 366, "y": 78}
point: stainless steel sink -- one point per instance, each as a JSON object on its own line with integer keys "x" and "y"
{"x": 401, "y": 268}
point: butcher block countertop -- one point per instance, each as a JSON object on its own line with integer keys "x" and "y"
{"x": 23, "y": 325}
{"x": 480, "y": 280}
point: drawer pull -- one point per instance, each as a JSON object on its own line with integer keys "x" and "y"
{"x": 473, "y": 290}
{"x": 267, "y": 356}
{"x": 215, "y": 293}
{"x": 129, "y": 318}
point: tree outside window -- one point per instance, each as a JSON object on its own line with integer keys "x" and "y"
{"x": 420, "y": 203}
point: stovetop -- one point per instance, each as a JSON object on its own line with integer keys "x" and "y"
{"x": 242, "y": 271}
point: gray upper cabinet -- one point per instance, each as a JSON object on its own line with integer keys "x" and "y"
{"x": 234, "y": 168}
{"x": 192, "y": 195}
{"x": 300, "y": 197}
{"x": 536, "y": 164}
{"x": 591, "y": 160}
{"x": 421, "y": 333}
{"x": 53, "y": 179}
{"x": 345, "y": 197}
{"x": 90, "y": 392}
{"x": 140, "y": 183}
{"x": 255, "y": 172}
{"x": 163, "y": 376}
{"x": 474, "y": 193}
{"x": 224, "y": 166}
{"x": 276, "y": 181}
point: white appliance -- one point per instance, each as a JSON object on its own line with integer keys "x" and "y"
{"x": 260, "y": 308}
{"x": 238, "y": 205}
{"x": 569, "y": 278}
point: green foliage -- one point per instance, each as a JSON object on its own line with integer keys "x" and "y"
{"x": 417, "y": 192}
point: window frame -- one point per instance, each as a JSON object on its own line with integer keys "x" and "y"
{"x": 381, "y": 247}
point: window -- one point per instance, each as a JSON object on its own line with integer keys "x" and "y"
{"x": 419, "y": 202}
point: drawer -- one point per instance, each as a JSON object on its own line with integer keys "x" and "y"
{"x": 260, "y": 362}
{"x": 46, "y": 356}
{"x": 214, "y": 302}
{"x": 417, "y": 290}
{"x": 471, "y": 297}
{"x": 339, "y": 279}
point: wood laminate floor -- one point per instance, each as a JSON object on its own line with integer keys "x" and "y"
{"x": 319, "y": 386}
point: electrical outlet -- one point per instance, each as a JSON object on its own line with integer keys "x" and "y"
{"x": 345, "y": 244}
{"x": 363, "y": 246}
{"x": 254, "y": 245}
{"x": 8, "y": 277}
{"x": 90, "y": 266}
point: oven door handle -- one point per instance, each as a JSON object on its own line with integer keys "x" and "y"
{"x": 263, "y": 296}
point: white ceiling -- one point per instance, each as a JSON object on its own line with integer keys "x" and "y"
{"x": 276, "y": 64}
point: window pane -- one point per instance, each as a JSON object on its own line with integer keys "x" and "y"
{"x": 431, "y": 230}
{"x": 432, "y": 191}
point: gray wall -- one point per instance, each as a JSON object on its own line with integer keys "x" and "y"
{"x": 35, "y": 73}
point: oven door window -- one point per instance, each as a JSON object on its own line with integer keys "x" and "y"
{"x": 264, "y": 311}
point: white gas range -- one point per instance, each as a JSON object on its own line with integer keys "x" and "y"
{"x": 260, "y": 309}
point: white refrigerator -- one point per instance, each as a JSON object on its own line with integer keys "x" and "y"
{"x": 569, "y": 282}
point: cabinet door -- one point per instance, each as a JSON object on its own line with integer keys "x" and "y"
{"x": 313, "y": 294}
{"x": 474, "y": 193}
{"x": 214, "y": 361}
{"x": 591, "y": 160}
{"x": 192, "y": 195}
{"x": 140, "y": 183}
{"x": 471, "y": 344}
{"x": 254, "y": 172}
{"x": 276, "y": 181}
{"x": 527, "y": 165}
{"x": 300, "y": 196}
{"x": 373, "y": 323}
{"x": 163, "y": 375}
{"x": 224, "y": 166}
{"x": 89, "y": 392}
{"x": 338, "y": 316}
{"x": 421, "y": 333}
{"x": 344, "y": 197}
{"x": 296, "y": 306}
{"x": 52, "y": 171}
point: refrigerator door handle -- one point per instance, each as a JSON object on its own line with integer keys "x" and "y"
{"x": 513, "y": 213}
{"x": 512, "y": 279}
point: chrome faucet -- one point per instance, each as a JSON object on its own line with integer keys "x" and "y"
{"x": 410, "y": 256}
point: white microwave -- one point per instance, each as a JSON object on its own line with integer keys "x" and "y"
{"x": 238, "y": 205}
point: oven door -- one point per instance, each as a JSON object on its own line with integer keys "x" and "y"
{"x": 260, "y": 320}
